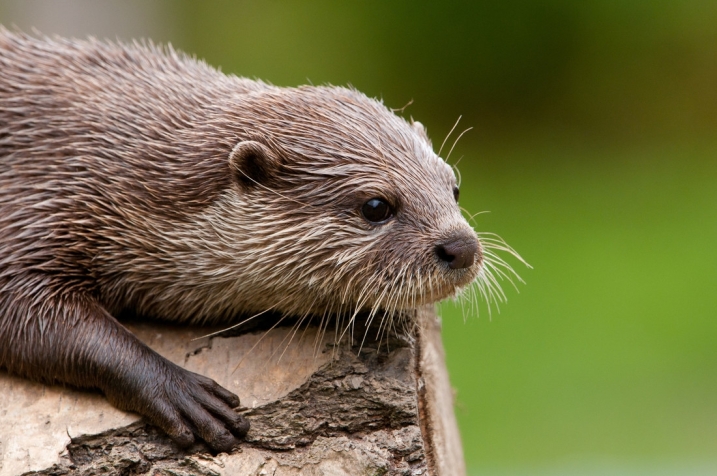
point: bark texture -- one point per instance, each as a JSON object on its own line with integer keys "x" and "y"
{"x": 314, "y": 409}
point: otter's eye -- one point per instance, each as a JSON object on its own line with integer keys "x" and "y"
{"x": 456, "y": 193}
{"x": 376, "y": 210}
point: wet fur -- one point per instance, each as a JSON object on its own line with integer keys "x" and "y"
{"x": 117, "y": 193}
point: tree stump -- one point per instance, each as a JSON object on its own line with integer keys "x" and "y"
{"x": 314, "y": 408}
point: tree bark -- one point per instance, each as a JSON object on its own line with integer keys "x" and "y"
{"x": 314, "y": 408}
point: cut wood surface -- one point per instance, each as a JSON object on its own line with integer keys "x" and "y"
{"x": 315, "y": 408}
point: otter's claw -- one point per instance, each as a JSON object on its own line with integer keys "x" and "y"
{"x": 184, "y": 404}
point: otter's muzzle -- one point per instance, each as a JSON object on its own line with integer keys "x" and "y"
{"x": 459, "y": 251}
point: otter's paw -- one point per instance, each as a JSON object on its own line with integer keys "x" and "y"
{"x": 186, "y": 406}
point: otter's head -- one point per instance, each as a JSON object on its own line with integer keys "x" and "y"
{"x": 344, "y": 206}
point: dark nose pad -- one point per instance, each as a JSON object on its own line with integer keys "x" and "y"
{"x": 459, "y": 251}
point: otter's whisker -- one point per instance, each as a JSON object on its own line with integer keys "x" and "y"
{"x": 392, "y": 301}
{"x": 471, "y": 217}
{"x": 292, "y": 332}
{"x": 502, "y": 274}
{"x": 242, "y": 322}
{"x": 449, "y": 134}
{"x": 350, "y": 324}
{"x": 456, "y": 142}
{"x": 377, "y": 305}
{"x": 457, "y": 172}
{"x": 281, "y": 319}
{"x": 318, "y": 339}
{"x": 499, "y": 243}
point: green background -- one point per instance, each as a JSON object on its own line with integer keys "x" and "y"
{"x": 594, "y": 149}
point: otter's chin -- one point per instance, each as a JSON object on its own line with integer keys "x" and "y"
{"x": 457, "y": 281}
{"x": 460, "y": 278}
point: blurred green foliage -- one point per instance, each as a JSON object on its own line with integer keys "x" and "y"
{"x": 594, "y": 149}
{"x": 608, "y": 353}
{"x": 603, "y": 69}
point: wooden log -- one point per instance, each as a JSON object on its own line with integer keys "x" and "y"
{"x": 315, "y": 408}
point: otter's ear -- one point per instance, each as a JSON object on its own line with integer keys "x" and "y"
{"x": 418, "y": 127}
{"x": 252, "y": 163}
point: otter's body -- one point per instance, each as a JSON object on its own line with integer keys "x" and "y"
{"x": 137, "y": 179}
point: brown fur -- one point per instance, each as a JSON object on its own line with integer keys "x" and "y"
{"x": 135, "y": 178}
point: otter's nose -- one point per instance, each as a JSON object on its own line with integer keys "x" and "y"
{"x": 459, "y": 251}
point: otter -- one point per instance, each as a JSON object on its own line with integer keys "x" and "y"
{"x": 136, "y": 178}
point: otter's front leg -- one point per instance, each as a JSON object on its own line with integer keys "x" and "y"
{"x": 56, "y": 336}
